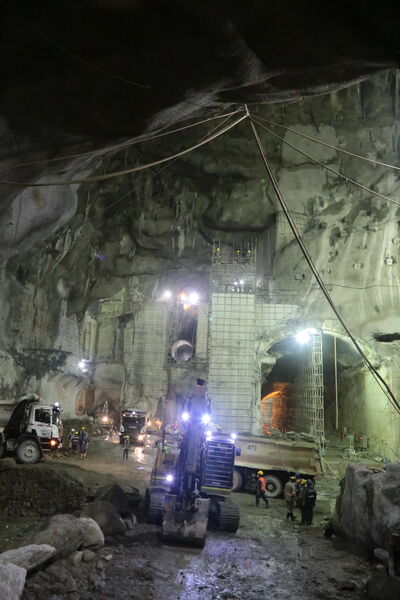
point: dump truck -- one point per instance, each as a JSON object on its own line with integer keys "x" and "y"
{"x": 133, "y": 423}
{"x": 278, "y": 457}
{"x": 33, "y": 429}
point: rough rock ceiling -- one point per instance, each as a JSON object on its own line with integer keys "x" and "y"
{"x": 70, "y": 84}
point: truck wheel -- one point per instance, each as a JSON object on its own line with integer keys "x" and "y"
{"x": 237, "y": 481}
{"x": 28, "y": 452}
{"x": 273, "y": 486}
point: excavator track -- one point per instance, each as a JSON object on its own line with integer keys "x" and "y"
{"x": 154, "y": 506}
{"x": 227, "y": 516}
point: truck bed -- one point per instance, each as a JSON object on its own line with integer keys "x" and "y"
{"x": 260, "y": 452}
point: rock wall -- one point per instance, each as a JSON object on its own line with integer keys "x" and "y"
{"x": 156, "y": 228}
{"x": 368, "y": 507}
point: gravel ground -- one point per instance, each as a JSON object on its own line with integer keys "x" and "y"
{"x": 269, "y": 557}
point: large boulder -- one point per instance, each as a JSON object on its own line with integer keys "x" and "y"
{"x": 29, "y": 557}
{"x": 64, "y": 532}
{"x": 12, "y": 581}
{"x": 93, "y": 536}
{"x": 114, "y": 494}
{"x": 368, "y": 507}
{"x": 106, "y": 515}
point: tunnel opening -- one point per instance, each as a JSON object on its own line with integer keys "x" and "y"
{"x": 308, "y": 391}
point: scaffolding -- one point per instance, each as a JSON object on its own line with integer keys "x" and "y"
{"x": 309, "y": 397}
{"x": 233, "y": 382}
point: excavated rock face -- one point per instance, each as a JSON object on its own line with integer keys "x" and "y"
{"x": 102, "y": 71}
{"x": 368, "y": 508}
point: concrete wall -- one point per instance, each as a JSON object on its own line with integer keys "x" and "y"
{"x": 365, "y": 410}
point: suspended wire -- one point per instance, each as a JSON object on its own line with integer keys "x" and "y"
{"x": 338, "y": 173}
{"x": 122, "y": 145}
{"x": 125, "y": 171}
{"x": 378, "y": 378}
{"x": 331, "y": 146}
{"x": 162, "y": 169}
{"x": 317, "y": 162}
{"x": 72, "y": 54}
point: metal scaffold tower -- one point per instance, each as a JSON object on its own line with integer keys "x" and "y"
{"x": 232, "y": 380}
{"x": 309, "y": 405}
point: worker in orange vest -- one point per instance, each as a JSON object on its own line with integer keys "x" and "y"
{"x": 261, "y": 490}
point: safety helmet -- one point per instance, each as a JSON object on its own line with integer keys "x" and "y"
{"x": 303, "y": 481}
{"x": 309, "y": 483}
{"x": 292, "y": 478}
{"x": 298, "y": 476}
{"x": 127, "y": 437}
{"x": 83, "y": 427}
{"x": 260, "y": 472}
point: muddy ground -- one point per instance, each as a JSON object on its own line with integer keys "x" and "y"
{"x": 268, "y": 558}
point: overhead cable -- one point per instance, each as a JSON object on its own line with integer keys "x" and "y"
{"x": 326, "y": 167}
{"x": 125, "y": 171}
{"x": 162, "y": 169}
{"x": 331, "y": 146}
{"x": 378, "y": 378}
{"x": 122, "y": 145}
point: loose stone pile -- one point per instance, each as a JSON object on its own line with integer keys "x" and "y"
{"x": 68, "y": 556}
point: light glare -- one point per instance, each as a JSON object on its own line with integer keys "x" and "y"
{"x": 206, "y": 418}
{"x": 185, "y": 416}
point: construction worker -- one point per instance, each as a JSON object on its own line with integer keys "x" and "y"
{"x": 290, "y": 496}
{"x": 310, "y": 497}
{"x": 83, "y": 443}
{"x": 301, "y": 499}
{"x": 75, "y": 442}
{"x": 261, "y": 490}
{"x": 126, "y": 446}
{"x": 70, "y": 436}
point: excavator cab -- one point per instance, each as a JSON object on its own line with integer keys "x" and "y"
{"x": 192, "y": 478}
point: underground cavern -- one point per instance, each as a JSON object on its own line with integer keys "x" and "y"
{"x": 199, "y": 292}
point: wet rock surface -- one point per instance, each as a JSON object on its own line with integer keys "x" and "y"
{"x": 368, "y": 507}
{"x": 269, "y": 557}
{"x": 29, "y": 557}
{"x": 12, "y": 580}
{"x": 106, "y": 515}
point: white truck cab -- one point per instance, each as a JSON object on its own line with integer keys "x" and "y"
{"x": 33, "y": 429}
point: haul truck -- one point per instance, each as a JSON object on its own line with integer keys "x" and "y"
{"x": 133, "y": 423}
{"x": 33, "y": 429}
{"x": 278, "y": 458}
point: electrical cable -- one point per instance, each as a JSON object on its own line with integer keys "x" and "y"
{"x": 331, "y": 146}
{"x": 326, "y": 167}
{"x": 378, "y": 378}
{"x": 125, "y": 171}
{"x": 163, "y": 168}
{"x": 122, "y": 145}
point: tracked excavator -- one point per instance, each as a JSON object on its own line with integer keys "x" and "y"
{"x": 192, "y": 477}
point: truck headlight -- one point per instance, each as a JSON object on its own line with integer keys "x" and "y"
{"x": 169, "y": 478}
{"x": 140, "y": 437}
{"x": 53, "y": 443}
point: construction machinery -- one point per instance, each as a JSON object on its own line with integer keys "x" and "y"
{"x": 279, "y": 456}
{"x": 192, "y": 477}
{"x": 134, "y": 424}
{"x": 33, "y": 429}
